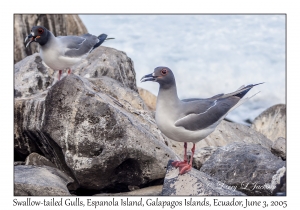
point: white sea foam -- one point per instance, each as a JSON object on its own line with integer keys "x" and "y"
{"x": 209, "y": 54}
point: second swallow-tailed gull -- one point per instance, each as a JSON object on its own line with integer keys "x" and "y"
{"x": 63, "y": 52}
{"x": 189, "y": 120}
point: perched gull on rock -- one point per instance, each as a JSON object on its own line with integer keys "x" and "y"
{"x": 63, "y": 52}
{"x": 189, "y": 120}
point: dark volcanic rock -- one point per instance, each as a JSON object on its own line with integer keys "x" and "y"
{"x": 201, "y": 155}
{"x": 250, "y": 168}
{"x": 95, "y": 130}
{"x": 194, "y": 183}
{"x": 40, "y": 181}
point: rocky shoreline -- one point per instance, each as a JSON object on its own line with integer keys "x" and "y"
{"x": 92, "y": 133}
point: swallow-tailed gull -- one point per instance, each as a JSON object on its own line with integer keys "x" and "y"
{"x": 63, "y": 52}
{"x": 189, "y": 120}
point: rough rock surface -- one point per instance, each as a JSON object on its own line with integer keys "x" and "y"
{"x": 225, "y": 133}
{"x": 38, "y": 160}
{"x": 58, "y": 24}
{"x": 147, "y": 191}
{"x": 272, "y": 122}
{"x": 201, "y": 155}
{"x": 250, "y": 168}
{"x": 16, "y": 163}
{"x": 149, "y": 98}
{"x": 40, "y": 181}
{"x": 194, "y": 183}
{"x": 105, "y": 61}
{"x": 95, "y": 130}
{"x": 31, "y": 76}
{"x": 279, "y": 147}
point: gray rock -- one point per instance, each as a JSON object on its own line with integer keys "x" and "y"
{"x": 29, "y": 138}
{"x": 38, "y": 160}
{"x": 228, "y": 132}
{"x": 40, "y": 181}
{"x": 16, "y": 163}
{"x": 32, "y": 77}
{"x": 201, "y": 155}
{"x": 250, "y": 168}
{"x": 279, "y": 147}
{"x": 58, "y": 24}
{"x": 95, "y": 130}
{"x": 272, "y": 122}
{"x": 147, "y": 191}
{"x": 105, "y": 61}
{"x": 194, "y": 183}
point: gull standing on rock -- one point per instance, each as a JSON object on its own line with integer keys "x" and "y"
{"x": 63, "y": 52}
{"x": 189, "y": 120}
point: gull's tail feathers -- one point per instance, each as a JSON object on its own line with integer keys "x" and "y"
{"x": 241, "y": 92}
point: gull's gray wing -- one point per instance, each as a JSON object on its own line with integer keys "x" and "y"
{"x": 77, "y": 46}
{"x": 200, "y": 114}
{"x": 196, "y": 99}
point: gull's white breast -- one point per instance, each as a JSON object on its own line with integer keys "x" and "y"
{"x": 53, "y": 56}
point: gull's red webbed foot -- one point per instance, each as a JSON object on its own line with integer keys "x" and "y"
{"x": 177, "y": 164}
{"x": 185, "y": 166}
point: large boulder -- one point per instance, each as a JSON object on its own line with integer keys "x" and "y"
{"x": 40, "y": 181}
{"x": 250, "y": 168}
{"x": 58, "y": 24}
{"x": 95, "y": 130}
{"x": 272, "y": 122}
{"x": 105, "y": 61}
{"x": 32, "y": 76}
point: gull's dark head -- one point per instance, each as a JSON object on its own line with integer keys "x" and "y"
{"x": 163, "y": 75}
{"x": 38, "y": 34}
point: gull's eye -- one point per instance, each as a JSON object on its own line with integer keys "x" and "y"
{"x": 40, "y": 30}
{"x": 164, "y": 71}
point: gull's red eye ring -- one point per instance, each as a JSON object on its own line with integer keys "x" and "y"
{"x": 40, "y": 30}
{"x": 164, "y": 71}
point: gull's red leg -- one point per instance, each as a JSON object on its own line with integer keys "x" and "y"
{"x": 69, "y": 71}
{"x": 193, "y": 151}
{"x": 179, "y": 163}
{"x": 187, "y": 167}
{"x": 59, "y": 74}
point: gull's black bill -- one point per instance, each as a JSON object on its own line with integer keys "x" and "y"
{"x": 31, "y": 40}
{"x": 148, "y": 77}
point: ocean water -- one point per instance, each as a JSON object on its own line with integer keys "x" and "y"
{"x": 209, "y": 54}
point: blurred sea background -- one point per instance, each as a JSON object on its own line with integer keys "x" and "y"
{"x": 209, "y": 54}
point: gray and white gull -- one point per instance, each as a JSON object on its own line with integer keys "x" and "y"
{"x": 189, "y": 120}
{"x": 63, "y": 52}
